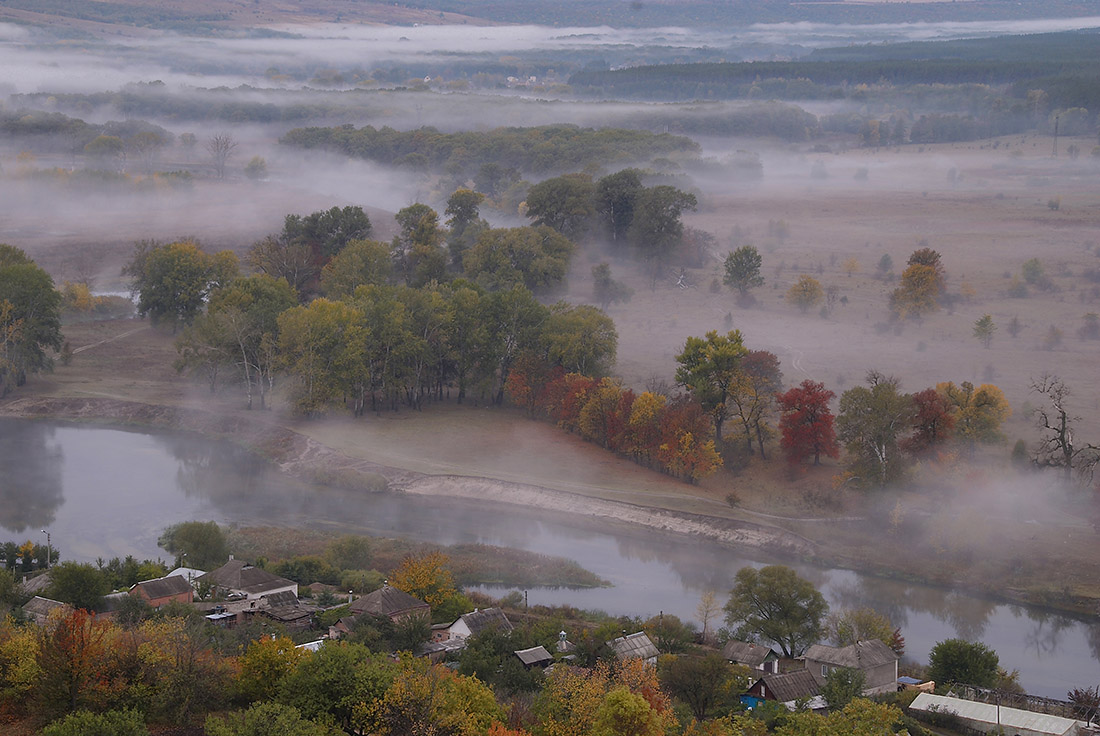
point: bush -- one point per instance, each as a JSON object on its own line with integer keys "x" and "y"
{"x": 111, "y": 723}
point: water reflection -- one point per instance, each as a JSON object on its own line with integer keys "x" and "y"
{"x": 30, "y": 476}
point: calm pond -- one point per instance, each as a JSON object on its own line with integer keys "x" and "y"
{"x": 108, "y": 492}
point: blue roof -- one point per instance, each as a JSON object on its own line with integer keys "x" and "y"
{"x": 909, "y": 681}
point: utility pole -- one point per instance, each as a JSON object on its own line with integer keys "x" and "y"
{"x": 49, "y": 549}
{"x": 1054, "y": 154}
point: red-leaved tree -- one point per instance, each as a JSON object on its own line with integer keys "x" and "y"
{"x": 933, "y": 423}
{"x": 807, "y": 423}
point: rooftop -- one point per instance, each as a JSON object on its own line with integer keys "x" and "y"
{"x": 791, "y": 686}
{"x": 1009, "y": 718}
{"x": 634, "y": 646}
{"x": 861, "y": 656}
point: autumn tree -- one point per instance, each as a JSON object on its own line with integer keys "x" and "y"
{"x": 753, "y": 395}
{"x": 874, "y": 421}
{"x": 709, "y": 367}
{"x": 264, "y": 665}
{"x": 852, "y": 625}
{"x": 933, "y": 422}
{"x": 427, "y": 698}
{"x": 922, "y": 284}
{"x": 775, "y": 604}
{"x": 71, "y": 656}
{"x": 742, "y": 270}
{"x": 977, "y": 412}
{"x": 806, "y": 293}
{"x": 807, "y": 423}
{"x": 173, "y": 281}
{"x": 426, "y": 577}
{"x": 322, "y": 347}
{"x": 1057, "y": 446}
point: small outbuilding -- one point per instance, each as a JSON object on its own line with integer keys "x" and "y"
{"x": 753, "y": 656}
{"x": 161, "y": 591}
{"x": 788, "y": 689}
{"x": 634, "y": 646}
{"x": 481, "y": 619}
{"x": 535, "y": 657}
{"x": 988, "y": 717}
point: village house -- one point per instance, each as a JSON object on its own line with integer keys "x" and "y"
{"x": 790, "y": 689}
{"x": 634, "y": 646}
{"x": 38, "y": 609}
{"x": 753, "y": 656}
{"x": 535, "y": 657}
{"x": 394, "y": 604}
{"x": 161, "y": 591}
{"x": 237, "y": 578}
{"x": 469, "y": 624}
{"x": 285, "y": 608}
{"x": 877, "y": 662}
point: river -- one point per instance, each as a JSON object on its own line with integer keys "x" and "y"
{"x": 107, "y": 492}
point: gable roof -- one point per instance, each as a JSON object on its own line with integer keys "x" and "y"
{"x": 745, "y": 652}
{"x": 163, "y": 587}
{"x": 38, "y": 583}
{"x": 486, "y": 618}
{"x": 40, "y": 606}
{"x": 791, "y": 686}
{"x": 388, "y": 601}
{"x": 1010, "y": 719}
{"x": 862, "y": 655}
{"x": 239, "y": 575}
{"x": 534, "y": 655}
{"x": 112, "y": 602}
{"x": 281, "y": 598}
{"x": 634, "y": 646}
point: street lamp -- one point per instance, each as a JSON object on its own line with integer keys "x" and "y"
{"x": 49, "y": 549}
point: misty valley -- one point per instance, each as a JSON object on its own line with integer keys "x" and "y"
{"x": 468, "y": 368}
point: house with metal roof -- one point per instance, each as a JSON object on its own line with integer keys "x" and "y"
{"x": 534, "y": 657}
{"x": 987, "y": 717}
{"x": 238, "y": 578}
{"x": 753, "y": 656}
{"x": 877, "y": 662}
{"x": 789, "y": 689}
{"x": 38, "y": 609}
{"x": 634, "y": 646}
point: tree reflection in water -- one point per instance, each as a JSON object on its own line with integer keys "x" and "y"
{"x": 31, "y": 488}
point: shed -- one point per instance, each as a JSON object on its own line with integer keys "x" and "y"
{"x": 984, "y": 717}
{"x": 38, "y": 608}
{"x": 534, "y": 657}
{"x": 634, "y": 646}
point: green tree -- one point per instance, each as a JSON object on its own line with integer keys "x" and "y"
{"x": 359, "y": 262}
{"x": 1032, "y": 271}
{"x": 79, "y": 584}
{"x": 333, "y": 683}
{"x": 581, "y": 339}
{"x": 106, "y": 150}
{"x": 565, "y": 203}
{"x": 110, "y": 723}
{"x": 615, "y": 199}
{"x": 535, "y": 257}
{"x": 325, "y": 232}
{"x": 873, "y": 421}
{"x": 657, "y": 229}
{"x": 963, "y": 662}
{"x": 606, "y": 290}
{"x": 463, "y": 218}
{"x": 30, "y": 318}
{"x": 256, "y": 168}
{"x": 418, "y": 251}
{"x": 842, "y": 685}
{"x": 984, "y": 329}
{"x": 623, "y": 713}
{"x": 743, "y": 270}
{"x": 709, "y": 367}
{"x": 202, "y": 542}
{"x": 705, "y": 683}
{"x": 323, "y": 347}
{"x": 860, "y": 624}
{"x": 280, "y": 258}
{"x": 266, "y": 719}
{"x": 349, "y": 552}
{"x": 775, "y": 604}
{"x": 173, "y": 281}
{"x": 805, "y": 293}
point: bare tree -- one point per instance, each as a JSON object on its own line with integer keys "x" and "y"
{"x": 220, "y": 148}
{"x": 1057, "y": 447}
{"x": 708, "y": 609}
